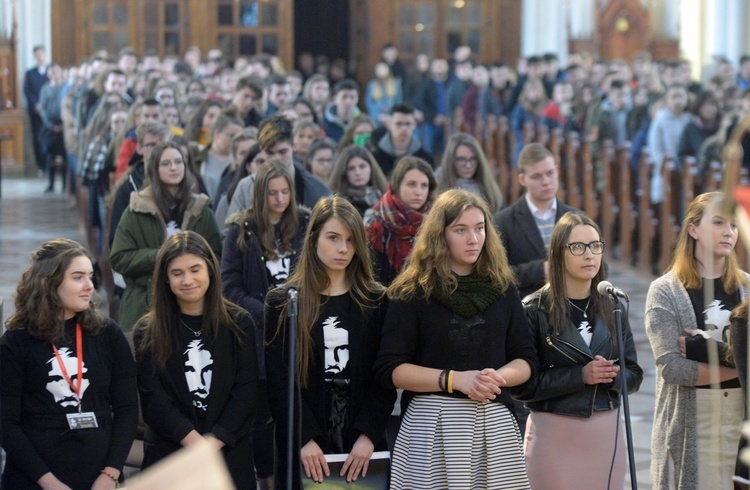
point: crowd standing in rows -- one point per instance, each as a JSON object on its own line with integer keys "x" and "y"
{"x": 207, "y": 191}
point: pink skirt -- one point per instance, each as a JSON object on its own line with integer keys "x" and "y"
{"x": 575, "y": 453}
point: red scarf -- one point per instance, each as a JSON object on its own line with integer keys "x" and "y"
{"x": 394, "y": 228}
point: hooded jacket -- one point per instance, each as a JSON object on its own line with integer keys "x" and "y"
{"x": 140, "y": 234}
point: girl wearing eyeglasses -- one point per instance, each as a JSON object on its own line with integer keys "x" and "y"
{"x": 699, "y": 402}
{"x": 574, "y": 399}
{"x": 465, "y": 166}
{"x": 160, "y": 210}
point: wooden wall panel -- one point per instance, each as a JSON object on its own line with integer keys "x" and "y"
{"x": 506, "y": 22}
{"x": 64, "y": 29}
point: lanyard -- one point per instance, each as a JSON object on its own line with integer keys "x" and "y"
{"x": 76, "y": 387}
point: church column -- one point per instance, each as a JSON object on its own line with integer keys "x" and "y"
{"x": 543, "y": 28}
{"x": 723, "y": 22}
{"x": 34, "y": 27}
{"x": 581, "y": 19}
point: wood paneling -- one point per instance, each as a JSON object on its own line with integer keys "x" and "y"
{"x": 76, "y": 35}
{"x": 11, "y": 126}
{"x": 506, "y": 22}
{"x": 376, "y": 22}
{"x": 64, "y": 33}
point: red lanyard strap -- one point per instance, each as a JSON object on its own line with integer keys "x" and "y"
{"x": 76, "y": 387}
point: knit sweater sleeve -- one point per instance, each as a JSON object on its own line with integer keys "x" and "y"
{"x": 664, "y": 325}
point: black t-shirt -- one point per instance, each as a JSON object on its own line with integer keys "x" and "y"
{"x": 713, "y": 319}
{"x": 334, "y": 320}
{"x": 197, "y": 360}
{"x": 583, "y": 323}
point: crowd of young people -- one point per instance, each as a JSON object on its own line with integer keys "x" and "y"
{"x": 222, "y": 189}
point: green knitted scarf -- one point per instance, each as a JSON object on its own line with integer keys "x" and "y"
{"x": 473, "y": 295}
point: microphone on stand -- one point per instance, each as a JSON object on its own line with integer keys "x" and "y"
{"x": 606, "y": 288}
{"x": 292, "y": 297}
{"x": 292, "y": 294}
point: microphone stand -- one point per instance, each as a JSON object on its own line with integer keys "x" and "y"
{"x": 292, "y": 342}
{"x": 624, "y": 393}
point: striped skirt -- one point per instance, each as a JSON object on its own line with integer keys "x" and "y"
{"x": 451, "y": 443}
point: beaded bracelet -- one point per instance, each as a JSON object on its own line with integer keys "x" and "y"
{"x": 107, "y": 473}
{"x": 441, "y": 380}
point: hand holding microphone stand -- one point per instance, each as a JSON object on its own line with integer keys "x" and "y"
{"x": 606, "y": 288}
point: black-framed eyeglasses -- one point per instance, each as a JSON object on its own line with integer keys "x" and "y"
{"x": 579, "y": 248}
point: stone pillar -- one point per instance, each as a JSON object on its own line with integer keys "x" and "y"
{"x": 724, "y": 29}
{"x": 581, "y": 19}
{"x": 34, "y": 27}
{"x": 544, "y": 28}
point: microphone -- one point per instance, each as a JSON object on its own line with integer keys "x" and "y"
{"x": 291, "y": 294}
{"x": 606, "y": 288}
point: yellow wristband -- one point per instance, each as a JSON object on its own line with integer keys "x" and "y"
{"x": 450, "y": 381}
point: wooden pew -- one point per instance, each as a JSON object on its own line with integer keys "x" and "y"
{"x": 625, "y": 205}
{"x": 500, "y": 138}
{"x": 713, "y": 180}
{"x": 607, "y": 199}
{"x": 590, "y": 206}
{"x": 645, "y": 216}
{"x": 669, "y": 224}
{"x": 689, "y": 182}
{"x": 569, "y": 176}
{"x": 555, "y": 146}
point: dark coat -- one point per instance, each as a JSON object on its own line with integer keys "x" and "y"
{"x": 524, "y": 244}
{"x": 244, "y": 275}
{"x": 370, "y": 404}
{"x": 33, "y": 81}
{"x": 558, "y": 387}
{"x": 168, "y": 408}
{"x": 426, "y": 99}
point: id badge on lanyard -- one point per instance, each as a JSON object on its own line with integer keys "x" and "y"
{"x": 80, "y": 420}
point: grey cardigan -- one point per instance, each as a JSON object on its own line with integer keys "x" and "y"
{"x": 673, "y": 452}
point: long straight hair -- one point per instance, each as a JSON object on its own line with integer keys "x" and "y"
{"x": 38, "y": 306}
{"x": 161, "y": 322}
{"x": 164, "y": 199}
{"x": 274, "y": 239}
{"x": 310, "y": 277}
{"x": 429, "y": 261}
{"x": 483, "y": 176}
{"x": 685, "y": 263}
{"x": 559, "y": 305}
{"x": 339, "y": 182}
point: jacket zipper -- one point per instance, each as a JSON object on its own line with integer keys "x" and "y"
{"x": 549, "y": 342}
{"x": 593, "y": 399}
{"x": 575, "y": 348}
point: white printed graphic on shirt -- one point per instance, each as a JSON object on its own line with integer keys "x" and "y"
{"x": 56, "y": 383}
{"x": 586, "y": 330}
{"x": 336, "y": 340}
{"x": 716, "y": 322}
{"x": 198, "y": 373}
{"x": 172, "y": 228}
{"x": 279, "y": 270}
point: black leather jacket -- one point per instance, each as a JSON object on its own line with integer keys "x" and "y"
{"x": 558, "y": 387}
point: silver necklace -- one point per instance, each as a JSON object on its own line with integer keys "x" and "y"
{"x": 579, "y": 309}
{"x": 197, "y": 333}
